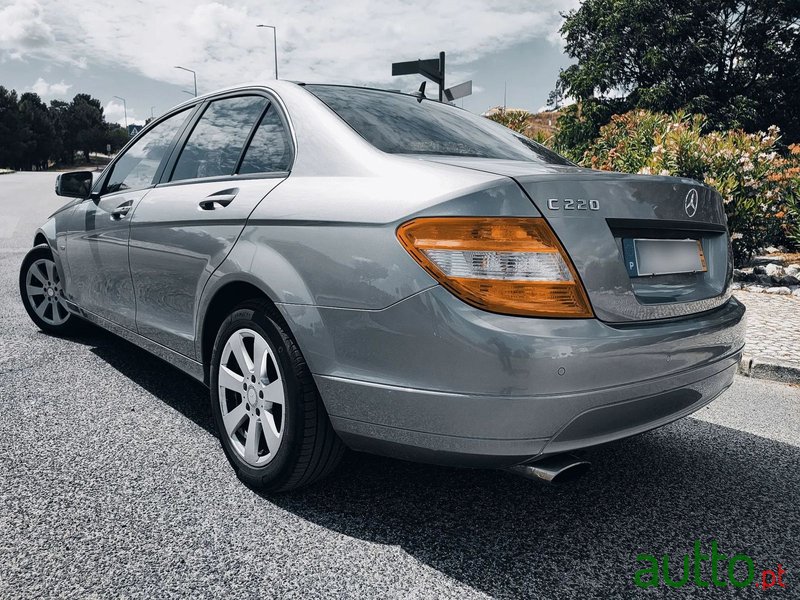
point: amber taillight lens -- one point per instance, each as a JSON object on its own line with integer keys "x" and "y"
{"x": 512, "y": 266}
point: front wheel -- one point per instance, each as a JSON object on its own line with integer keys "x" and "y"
{"x": 271, "y": 421}
{"x": 42, "y": 290}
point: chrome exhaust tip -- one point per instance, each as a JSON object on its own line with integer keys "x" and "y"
{"x": 559, "y": 468}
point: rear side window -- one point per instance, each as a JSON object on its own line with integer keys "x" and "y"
{"x": 401, "y": 124}
{"x": 215, "y": 145}
{"x": 270, "y": 150}
{"x": 137, "y": 167}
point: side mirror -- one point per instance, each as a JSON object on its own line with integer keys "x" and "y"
{"x": 77, "y": 184}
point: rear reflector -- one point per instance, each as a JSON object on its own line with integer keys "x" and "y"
{"x": 505, "y": 265}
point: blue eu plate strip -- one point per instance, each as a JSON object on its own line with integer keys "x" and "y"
{"x": 629, "y": 252}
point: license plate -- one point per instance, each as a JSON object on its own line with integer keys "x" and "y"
{"x": 645, "y": 257}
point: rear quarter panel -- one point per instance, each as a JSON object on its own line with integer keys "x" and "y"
{"x": 331, "y": 241}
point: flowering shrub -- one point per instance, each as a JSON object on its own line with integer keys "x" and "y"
{"x": 538, "y": 127}
{"x": 759, "y": 184}
{"x": 513, "y": 119}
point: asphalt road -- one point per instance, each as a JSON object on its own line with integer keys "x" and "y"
{"x": 112, "y": 485}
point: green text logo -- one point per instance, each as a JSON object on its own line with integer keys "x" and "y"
{"x": 738, "y": 571}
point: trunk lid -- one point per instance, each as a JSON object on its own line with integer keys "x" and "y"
{"x": 597, "y": 214}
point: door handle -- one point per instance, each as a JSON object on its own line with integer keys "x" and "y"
{"x": 122, "y": 210}
{"x": 223, "y": 198}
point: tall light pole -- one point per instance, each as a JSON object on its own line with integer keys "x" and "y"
{"x": 193, "y": 75}
{"x": 124, "y": 108}
{"x": 275, "y": 44}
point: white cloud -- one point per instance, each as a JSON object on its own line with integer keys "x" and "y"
{"x": 45, "y": 89}
{"x": 114, "y": 112}
{"x": 23, "y": 27}
{"x": 338, "y": 41}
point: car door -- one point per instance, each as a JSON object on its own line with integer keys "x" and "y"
{"x": 237, "y": 152}
{"x": 97, "y": 243}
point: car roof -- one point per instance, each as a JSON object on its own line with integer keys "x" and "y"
{"x": 277, "y": 84}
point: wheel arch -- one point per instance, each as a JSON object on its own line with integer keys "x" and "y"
{"x": 221, "y": 302}
{"x": 40, "y": 238}
{"x": 46, "y": 234}
{"x": 303, "y": 322}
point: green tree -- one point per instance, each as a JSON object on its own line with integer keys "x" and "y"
{"x": 85, "y": 125}
{"x": 10, "y": 128}
{"x": 33, "y": 134}
{"x": 37, "y": 133}
{"x": 735, "y": 61}
{"x": 116, "y": 136}
{"x": 59, "y": 117}
{"x": 579, "y": 124}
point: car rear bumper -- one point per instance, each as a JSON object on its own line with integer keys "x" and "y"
{"x": 575, "y": 420}
{"x": 434, "y": 380}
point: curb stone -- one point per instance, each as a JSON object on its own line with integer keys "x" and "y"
{"x": 766, "y": 368}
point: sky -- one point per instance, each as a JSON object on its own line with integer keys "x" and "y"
{"x": 130, "y": 48}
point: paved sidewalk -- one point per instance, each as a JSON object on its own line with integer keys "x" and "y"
{"x": 772, "y": 350}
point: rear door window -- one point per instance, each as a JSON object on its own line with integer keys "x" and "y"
{"x": 270, "y": 150}
{"x": 216, "y": 143}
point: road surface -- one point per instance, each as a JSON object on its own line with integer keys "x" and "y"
{"x": 112, "y": 484}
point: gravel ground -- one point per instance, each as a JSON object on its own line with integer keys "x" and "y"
{"x": 113, "y": 485}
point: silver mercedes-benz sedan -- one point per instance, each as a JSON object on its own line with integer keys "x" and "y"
{"x": 349, "y": 267}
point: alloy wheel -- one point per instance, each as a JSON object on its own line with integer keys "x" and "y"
{"x": 45, "y": 293}
{"x": 252, "y": 397}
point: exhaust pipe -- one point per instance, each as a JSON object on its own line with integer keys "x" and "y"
{"x": 559, "y": 468}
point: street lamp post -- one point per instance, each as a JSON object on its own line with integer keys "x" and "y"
{"x": 275, "y": 44}
{"x": 193, "y": 75}
{"x": 125, "y": 109}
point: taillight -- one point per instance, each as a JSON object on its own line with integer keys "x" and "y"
{"x": 504, "y": 265}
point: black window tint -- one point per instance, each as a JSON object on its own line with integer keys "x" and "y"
{"x": 270, "y": 150}
{"x": 136, "y": 168}
{"x": 401, "y": 124}
{"x": 214, "y": 147}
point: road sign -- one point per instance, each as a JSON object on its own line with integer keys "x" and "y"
{"x": 432, "y": 68}
{"x": 458, "y": 91}
{"x": 428, "y": 68}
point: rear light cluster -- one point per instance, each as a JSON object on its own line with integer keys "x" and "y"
{"x": 505, "y": 265}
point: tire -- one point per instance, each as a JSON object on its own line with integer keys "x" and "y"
{"x": 245, "y": 401}
{"x": 47, "y": 309}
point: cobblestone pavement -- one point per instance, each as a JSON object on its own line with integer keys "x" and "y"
{"x": 773, "y": 326}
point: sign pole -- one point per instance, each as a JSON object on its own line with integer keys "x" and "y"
{"x": 441, "y": 76}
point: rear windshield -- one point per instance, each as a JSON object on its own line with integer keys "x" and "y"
{"x": 401, "y": 124}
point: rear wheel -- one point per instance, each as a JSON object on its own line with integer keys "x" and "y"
{"x": 271, "y": 421}
{"x": 42, "y": 291}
